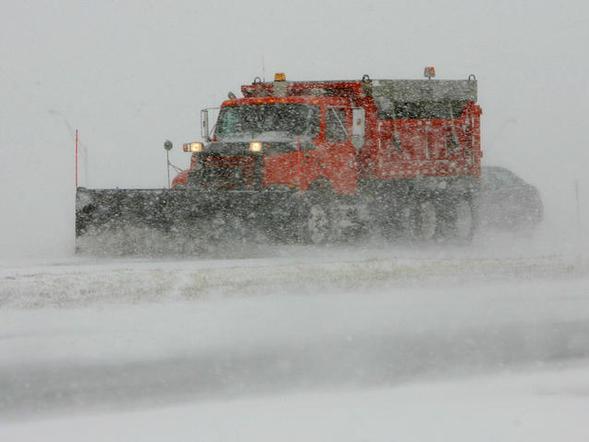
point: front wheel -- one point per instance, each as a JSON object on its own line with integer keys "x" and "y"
{"x": 317, "y": 224}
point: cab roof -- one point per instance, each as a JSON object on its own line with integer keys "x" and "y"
{"x": 309, "y": 100}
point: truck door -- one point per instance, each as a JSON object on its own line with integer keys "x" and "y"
{"x": 338, "y": 162}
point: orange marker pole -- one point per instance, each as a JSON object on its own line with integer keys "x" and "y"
{"x": 76, "y": 157}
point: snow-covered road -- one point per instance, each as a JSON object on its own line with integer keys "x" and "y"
{"x": 85, "y": 336}
{"x": 539, "y": 405}
{"x": 83, "y": 281}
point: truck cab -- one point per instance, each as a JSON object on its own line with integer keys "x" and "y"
{"x": 280, "y": 137}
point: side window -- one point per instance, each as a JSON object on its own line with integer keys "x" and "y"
{"x": 336, "y": 124}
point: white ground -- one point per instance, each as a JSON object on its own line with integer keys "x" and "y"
{"x": 338, "y": 344}
{"x": 536, "y": 406}
{"x": 302, "y": 345}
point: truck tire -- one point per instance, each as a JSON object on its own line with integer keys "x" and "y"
{"x": 317, "y": 220}
{"x": 407, "y": 224}
{"x": 317, "y": 224}
{"x": 457, "y": 219}
{"x": 426, "y": 222}
{"x": 465, "y": 220}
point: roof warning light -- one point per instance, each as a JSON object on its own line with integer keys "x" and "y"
{"x": 429, "y": 72}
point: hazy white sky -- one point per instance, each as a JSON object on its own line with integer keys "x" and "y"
{"x": 130, "y": 74}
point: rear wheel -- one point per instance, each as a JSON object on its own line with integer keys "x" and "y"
{"x": 408, "y": 221}
{"x": 426, "y": 225}
{"x": 464, "y": 222}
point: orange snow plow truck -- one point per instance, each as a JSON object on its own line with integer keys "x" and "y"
{"x": 317, "y": 161}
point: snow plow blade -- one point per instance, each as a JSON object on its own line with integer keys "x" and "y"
{"x": 132, "y": 220}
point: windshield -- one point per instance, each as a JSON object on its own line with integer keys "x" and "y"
{"x": 267, "y": 121}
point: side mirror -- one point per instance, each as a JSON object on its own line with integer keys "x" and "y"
{"x": 168, "y": 145}
{"x": 204, "y": 125}
{"x": 358, "y": 127}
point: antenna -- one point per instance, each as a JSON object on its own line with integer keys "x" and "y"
{"x": 578, "y": 206}
{"x": 77, "y": 142}
{"x": 263, "y": 69}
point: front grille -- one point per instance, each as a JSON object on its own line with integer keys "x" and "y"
{"x": 224, "y": 177}
{"x": 219, "y": 172}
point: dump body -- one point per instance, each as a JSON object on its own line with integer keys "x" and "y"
{"x": 425, "y": 128}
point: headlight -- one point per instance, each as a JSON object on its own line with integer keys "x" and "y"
{"x": 193, "y": 147}
{"x": 255, "y": 146}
